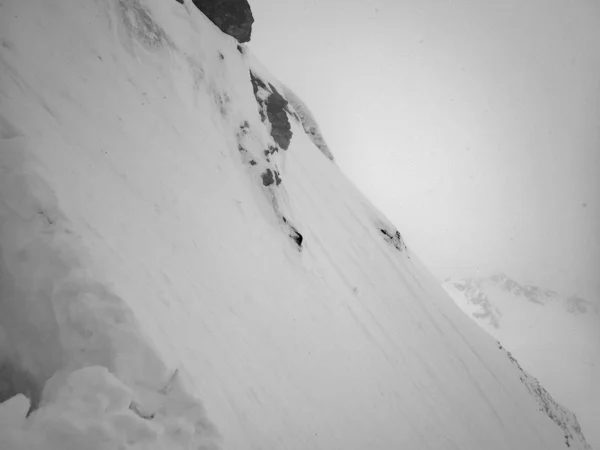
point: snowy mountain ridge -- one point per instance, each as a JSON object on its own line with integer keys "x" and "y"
{"x": 556, "y": 337}
{"x": 474, "y": 290}
{"x": 182, "y": 268}
{"x": 564, "y": 418}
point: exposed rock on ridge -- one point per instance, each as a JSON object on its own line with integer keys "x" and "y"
{"x": 534, "y": 294}
{"x": 274, "y": 109}
{"x": 233, "y": 17}
{"x": 394, "y": 238}
{"x": 476, "y": 296}
{"x": 561, "y": 416}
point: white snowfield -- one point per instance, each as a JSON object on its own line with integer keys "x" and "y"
{"x": 151, "y": 295}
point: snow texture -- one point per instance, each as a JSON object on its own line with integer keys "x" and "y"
{"x": 156, "y": 294}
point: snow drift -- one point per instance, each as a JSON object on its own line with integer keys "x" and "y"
{"x": 157, "y": 293}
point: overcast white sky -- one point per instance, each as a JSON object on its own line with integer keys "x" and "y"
{"x": 474, "y": 125}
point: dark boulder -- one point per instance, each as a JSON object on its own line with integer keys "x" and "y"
{"x": 276, "y": 111}
{"x": 281, "y": 130}
{"x": 267, "y": 177}
{"x": 233, "y": 17}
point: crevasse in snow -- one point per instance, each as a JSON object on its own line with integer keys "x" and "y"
{"x": 157, "y": 293}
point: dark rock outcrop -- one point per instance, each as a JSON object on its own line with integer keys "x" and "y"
{"x": 394, "y": 238}
{"x": 233, "y": 17}
{"x": 270, "y": 176}
{"x": 267, "y": 177}
{"x": 294, "y": 233}
{"x": 273, "y": 108}
{"x": 281, "y": 131}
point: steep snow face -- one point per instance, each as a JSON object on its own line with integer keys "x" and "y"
{"x": 157, "y": 293}
{"x": 555, "y": 337}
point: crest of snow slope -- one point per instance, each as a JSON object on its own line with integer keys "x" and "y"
{"x": 309, "y": 124}
{"x": 149, "y": 283}
{"x": 555, "y": 337}
{"x": 298, "y": 111}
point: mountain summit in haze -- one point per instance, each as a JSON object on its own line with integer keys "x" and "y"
{"x": 183, "y": 266}
{"x": 556, "y": 337}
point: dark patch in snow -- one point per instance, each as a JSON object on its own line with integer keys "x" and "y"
{"x": 294, "y": 233}
{"x": 233, "y": 17}
{"x": 271, "y": 150}
{"x": 256, "y": 83}
{"x": 267, "y": 177}
{"x": 272, "y": 107}
{"x": 296, "y": 237}
{"x": 280, "y": 125}
{"x": 394, "y": 238}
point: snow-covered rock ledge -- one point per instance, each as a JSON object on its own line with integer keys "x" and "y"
{"x": 309, "y": 124}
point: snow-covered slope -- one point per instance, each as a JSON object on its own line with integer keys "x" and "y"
{"x": 555, "y": 337}
{"x": 172, "y": 279}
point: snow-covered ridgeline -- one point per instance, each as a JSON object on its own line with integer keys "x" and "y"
{"x": 554, "y": 336}
{"x": 307, "y": 119}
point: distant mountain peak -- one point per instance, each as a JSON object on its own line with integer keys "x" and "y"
{"x": 553, "y": 335}
{"x": 541, "y": 296}
{"x": 499, "y": 277}
{"x": 470, "y": 288}
{"x": 578, "y": 305}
